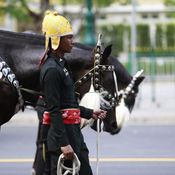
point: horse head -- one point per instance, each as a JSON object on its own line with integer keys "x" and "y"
{"x": 84, "y": 65}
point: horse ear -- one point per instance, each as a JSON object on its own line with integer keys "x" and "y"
{"x": 106, "y": 53}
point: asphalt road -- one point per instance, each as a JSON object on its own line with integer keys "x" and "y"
{"x": 145, "y": 146}
{"x": 136, "y": 150}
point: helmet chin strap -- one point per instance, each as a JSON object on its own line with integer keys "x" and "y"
{"x": 49, "y": 45}
{"x": 47, "y": 51}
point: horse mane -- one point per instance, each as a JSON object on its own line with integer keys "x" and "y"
{"x": 83, "y": 46}
{"x": 24, "y": 39}
{"x": 33, "y": 38}
{"x": 30, "y": 38}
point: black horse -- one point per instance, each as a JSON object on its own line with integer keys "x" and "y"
{"x": 22, "y": 53}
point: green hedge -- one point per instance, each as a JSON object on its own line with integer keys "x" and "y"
{"x": 170, "y": 35}
{"x": 165, "y": 37}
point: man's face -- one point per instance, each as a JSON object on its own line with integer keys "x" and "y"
{"x": 66, "y": 43}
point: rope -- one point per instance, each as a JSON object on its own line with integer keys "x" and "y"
{"x": 115, "y": 82}
{"x": 97, "y": 146}
{"x": 61, "y": 167}
{"x": 30, "y": 91}
{"x": 44, "y": 152}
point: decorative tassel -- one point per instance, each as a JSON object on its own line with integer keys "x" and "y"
{"x": 90, "y": 100}
{"x": 122, "y": 113}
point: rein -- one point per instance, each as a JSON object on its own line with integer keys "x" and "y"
{"x": 30, "y": 91}
{"x": 67, "y": 170}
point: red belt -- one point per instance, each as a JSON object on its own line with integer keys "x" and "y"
{"x": 46, "y": 118}
{"x": 70, "y": 116}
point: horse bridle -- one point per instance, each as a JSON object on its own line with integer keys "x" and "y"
{"x": 95, "y": 74}
{"x": 7, "y": 75}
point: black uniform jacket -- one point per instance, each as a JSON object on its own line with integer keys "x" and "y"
{"x": 59, "y": 93}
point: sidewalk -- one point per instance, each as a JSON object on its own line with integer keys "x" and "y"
{"x": 155, "y": 103}
{"x": 160, "y": 111}
{"x": 26, "y": 118}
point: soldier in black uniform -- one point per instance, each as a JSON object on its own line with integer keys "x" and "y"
{"x": 62, "y": 109}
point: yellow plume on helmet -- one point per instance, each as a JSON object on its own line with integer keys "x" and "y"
{"x": 54, "y": 26}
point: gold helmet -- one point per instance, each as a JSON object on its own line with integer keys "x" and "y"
{"x": 54, "y": 26}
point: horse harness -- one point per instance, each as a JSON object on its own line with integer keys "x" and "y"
{"x": 7, "y": 75}
{"x": 95, "y": 75}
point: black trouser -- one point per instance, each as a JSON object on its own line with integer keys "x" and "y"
{"x": 41, "y": 159}
{"x": 41, "y": 163}
{"x": 38, "y": 163}
{"x": 85, "y": 168}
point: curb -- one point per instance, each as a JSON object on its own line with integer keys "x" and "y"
{"x": 29, "y": 118}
